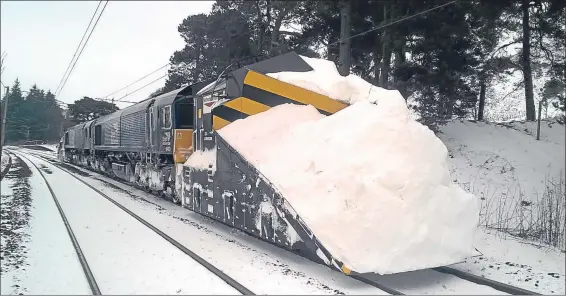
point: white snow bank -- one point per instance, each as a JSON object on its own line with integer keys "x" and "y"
{"x": 326, "y": 80}
{"x": 202, "y": 160}
{"x": 504, "y": 165}
{"x": 4, "y": 160}
{"x": 371, "y": 183}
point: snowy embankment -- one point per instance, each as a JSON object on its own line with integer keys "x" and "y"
{"x": 519, "y": 180}
{"x": 4, "y": 161}
{"x": 51, "y": 147}
{"x": 520, "y": 184}
{"x": 371, "y": 183}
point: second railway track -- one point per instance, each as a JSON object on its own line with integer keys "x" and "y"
{"x": 502, "y": 287}
{"x": 89, "y": 274}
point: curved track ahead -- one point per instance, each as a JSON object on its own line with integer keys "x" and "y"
{"x": 94, "y": 287}
{"x": 447, "y": 270}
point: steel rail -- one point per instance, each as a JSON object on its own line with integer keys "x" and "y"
{"x": 219, "y": 273}
{"x": 84, "y": 264}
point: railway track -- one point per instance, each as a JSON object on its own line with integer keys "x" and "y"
{"x": 86, "y": 268}
{"x": 82, "y": 259}
{"x": 373, "y": 281}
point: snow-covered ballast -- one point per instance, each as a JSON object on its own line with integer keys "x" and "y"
{"x": 223, "y": 183}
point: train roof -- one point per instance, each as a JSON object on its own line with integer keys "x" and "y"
{"x": 76, "y": 126}
{"x": 161, "y": 100}
{"x": 170, "y": 97}
{"x": 108, "y": 117}
{"x": 143, "y": 105}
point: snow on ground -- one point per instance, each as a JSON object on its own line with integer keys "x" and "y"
{"x": 4, "y": 160}
{"x": 288, "y": 273}
{"x": 263, "y": 268}
{"x": 489, "y": 158}
{"x": 43, "y": 147}
{"x": 259, "y": 266}
{"x": 37, "y": 254}
{"x": 52, "y": 147}
{"x": 431, "y": 282}
{"x": 509, "y": 171}
{"x": 124, "y": 255}
{"x": 518, "y": 262}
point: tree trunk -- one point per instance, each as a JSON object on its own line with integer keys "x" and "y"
{"x": 481, "y": 106}
{"x": 330, "y": 55}
{"x": 376, "y": 64}
{"x": 386, "y": 50}
{"x": 345, "y": 14}
{"x": 275, "y": 33}
{"x": 198, "y": 67}
{"x": 399, "y": 53}
{"x": 526, "y": 63}
{"x": 261, "y": 29}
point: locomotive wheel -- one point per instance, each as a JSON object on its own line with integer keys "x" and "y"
{"x": 175, "y": 199}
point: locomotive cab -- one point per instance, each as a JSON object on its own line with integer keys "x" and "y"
{"x": 183, "y": 125}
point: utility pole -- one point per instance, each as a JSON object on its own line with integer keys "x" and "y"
{"x": 4, "y": 114}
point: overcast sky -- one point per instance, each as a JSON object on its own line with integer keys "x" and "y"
{"x": 132, "y": 39}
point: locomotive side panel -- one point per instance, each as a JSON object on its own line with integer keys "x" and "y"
{"x": 87, "y": 135}
{"x": 74, "y": 138}
{"x": 110, "y": 133}
{"x": 133, "y": 131}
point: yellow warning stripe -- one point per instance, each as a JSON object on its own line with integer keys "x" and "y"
{"x": 293, "y": 92}
{"x": 219, "y": 122}
{"x": 346, "y": 270}
{"x": 247, "y": 106}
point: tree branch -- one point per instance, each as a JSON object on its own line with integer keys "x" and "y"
{"x": 519, "y": 85}
{"x": 506, "y": 45}
{"x": 283, "y": 32}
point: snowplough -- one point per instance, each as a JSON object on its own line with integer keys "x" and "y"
{"x": 222, "y": 183}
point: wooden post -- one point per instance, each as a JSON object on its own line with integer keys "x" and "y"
{"x": 4, "y": 114}
{"x": 538, "y": 123}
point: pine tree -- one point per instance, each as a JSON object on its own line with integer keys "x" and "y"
{"x": 14, "y": 121}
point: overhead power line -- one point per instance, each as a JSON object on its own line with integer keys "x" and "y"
{"x": 86, "y": 42}
{"x": 78, "y": 46}
{"x": 330, "y": 44}
{"x": 393, "y": 22}
{"x": 137, "y": 80}
{"x": 120, "y": 99}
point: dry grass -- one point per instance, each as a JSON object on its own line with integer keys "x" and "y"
{"x": 541, "y": 219}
